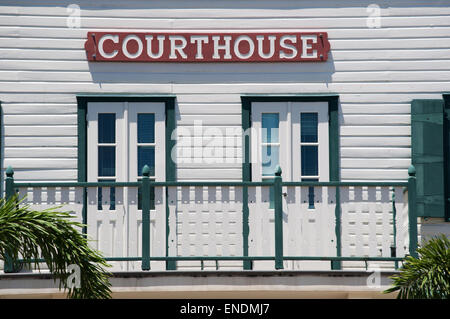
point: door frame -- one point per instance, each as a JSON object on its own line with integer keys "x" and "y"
{"x": 333, "y": 152}
{"x": 170, "y": 124}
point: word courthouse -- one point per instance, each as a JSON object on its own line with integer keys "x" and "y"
{"x": 225, "y": 47}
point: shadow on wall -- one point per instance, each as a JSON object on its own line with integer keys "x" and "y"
{"x": 239, "y": 72}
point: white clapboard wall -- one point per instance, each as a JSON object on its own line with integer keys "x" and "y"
{"x": 376, "y": 71}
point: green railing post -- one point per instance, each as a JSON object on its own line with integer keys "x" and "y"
{"x": 245, "y": 227}
{"x": 145, "y": 218}
{"x": 9, "y": 193}
{"x": 278, "y": 203}
{"x": 170, "y": 264}
{"x": 337, "y": 264}
{"x": 412, "y": 211}
{"x": 9, "y": 183}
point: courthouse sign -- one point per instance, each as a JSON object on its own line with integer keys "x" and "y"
{"x": 207, "y": 47}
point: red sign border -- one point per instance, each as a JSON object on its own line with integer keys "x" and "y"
{"x": 322, "y": 46}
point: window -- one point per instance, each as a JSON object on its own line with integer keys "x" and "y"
{"x": 309, "y": 153}
{"x": 124, "y": 109}
{"x": 118, "y": 135}
{"x": 106, "y": 150}
{"x": 308, "y": 136}
{"x": 122, "y": 138}
{"x": 270, "y": 143}
{"x": 293, "y": 135}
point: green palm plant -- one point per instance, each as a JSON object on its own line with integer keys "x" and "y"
{"x": 53, "y": 236}
{"x": 426, "y": 277}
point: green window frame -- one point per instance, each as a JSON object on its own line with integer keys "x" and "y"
{"x": 84, "y": 99}
{"x": 333, "y": 126}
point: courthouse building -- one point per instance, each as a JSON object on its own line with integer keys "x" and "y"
{"x": 231, "y": 148}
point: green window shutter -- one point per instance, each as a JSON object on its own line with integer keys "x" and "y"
{"x": 427, "y": 144}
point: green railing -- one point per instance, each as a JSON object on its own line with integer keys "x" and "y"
{"x": 277, "y": 184}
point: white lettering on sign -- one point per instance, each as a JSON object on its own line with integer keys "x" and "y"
{"x": 260, "y": 39}
{"x": 125, "y": 51}
{"x": 251, "y": 46}
{"x": 284, "y": 45}
{"x": 150, "y": 53}
{"x": 174, "y": 47}
{"x": 306, "y": 45}
{"x": 218, "y": 47}
{"x": 197, "y": 47}
{"x": 113, "y": 38}
{"x": 200, "y": 39}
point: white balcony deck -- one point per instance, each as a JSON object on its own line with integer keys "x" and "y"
{"x": 216, "y": 284}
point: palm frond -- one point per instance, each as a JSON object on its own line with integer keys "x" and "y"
{"x": 55, "y": 237}
{"x": 426, "y": 277}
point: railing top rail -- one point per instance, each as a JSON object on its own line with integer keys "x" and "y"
{"x": 199, "y": 184}
{"x": 346, "y": 184}
{"x": 77, "y": 184}
{"x": 309, "y": 258}
{"x": 136, "y": 184}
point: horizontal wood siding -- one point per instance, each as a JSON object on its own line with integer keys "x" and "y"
{"x": 375, "y": 71}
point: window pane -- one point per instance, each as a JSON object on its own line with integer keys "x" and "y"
{"x": 308, "y": 127}
{"x": 270, "y": 159}
{"x": 106, "y": 161}
{"x": 106, "y": 127}
{"x": 146, "y": 128}
{"x": 146, "y": 156}
{"x": 270, "y": 125}
{"x": 310, "y": 160}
